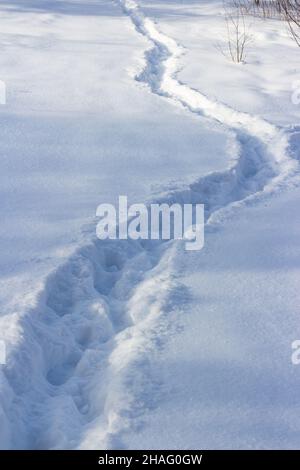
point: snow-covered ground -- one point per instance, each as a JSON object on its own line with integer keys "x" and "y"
{"x": 126, "y": 344}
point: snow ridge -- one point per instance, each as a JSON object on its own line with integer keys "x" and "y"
{"x": 89, "y": 331}
{"x": 80, "y": 375}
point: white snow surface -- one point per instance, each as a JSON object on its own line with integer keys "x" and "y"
{"x": 127, "y": 344}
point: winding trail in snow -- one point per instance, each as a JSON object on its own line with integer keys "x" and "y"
{"x": 80, "y": 375}
{"x": 264, "y": 162}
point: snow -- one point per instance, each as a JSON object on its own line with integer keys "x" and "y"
{"x": 133, "y": 344}
{"x": 227, "y": 381}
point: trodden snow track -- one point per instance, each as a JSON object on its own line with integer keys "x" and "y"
{"x": 82, "y": 364}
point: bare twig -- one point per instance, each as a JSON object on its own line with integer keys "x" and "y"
{"x": 237, "y": 35}
{"x": 291, "y": 11}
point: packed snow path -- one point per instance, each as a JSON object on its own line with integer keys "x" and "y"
{"x": 87, "y": 342}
